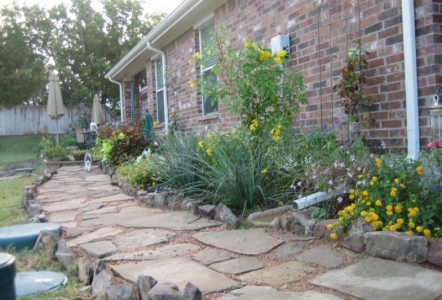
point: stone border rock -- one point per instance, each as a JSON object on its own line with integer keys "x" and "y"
{"x": 273, "y": 214}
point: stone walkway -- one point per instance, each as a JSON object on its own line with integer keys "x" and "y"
{"x": 179, "y": 247}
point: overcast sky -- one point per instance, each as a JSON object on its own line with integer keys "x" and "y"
{"x": 151, "y": 6}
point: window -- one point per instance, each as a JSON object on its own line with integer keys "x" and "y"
{"x": 207, "y": 43}
{"x": 159, "y": 91}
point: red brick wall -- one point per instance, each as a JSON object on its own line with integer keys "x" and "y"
{"x": 381, "y": 35}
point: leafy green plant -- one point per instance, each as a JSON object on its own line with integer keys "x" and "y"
{"x": 55, "y": 151}
{"x": 68, "y": 140}
{"x": 256, "y": 85}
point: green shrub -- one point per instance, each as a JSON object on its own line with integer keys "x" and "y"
{"x": 68, "y": 140}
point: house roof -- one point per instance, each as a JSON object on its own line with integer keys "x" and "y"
{"x": 185, "y": 16}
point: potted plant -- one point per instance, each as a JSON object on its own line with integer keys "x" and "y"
{"x": 55, "y": 153}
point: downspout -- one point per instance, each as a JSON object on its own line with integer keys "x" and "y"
{"x": 409, "y": 33}
{"x": 166, "y": 107}
{"x": 121, "y": 98}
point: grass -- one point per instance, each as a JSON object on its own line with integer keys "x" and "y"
{"x": 11, "y": 195}
{"x": 18, "y": 148}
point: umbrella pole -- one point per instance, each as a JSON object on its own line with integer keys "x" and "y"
{"x": 57, "y": 131}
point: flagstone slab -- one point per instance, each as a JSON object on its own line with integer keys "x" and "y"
{"x": 106, "y": 210}
{"x": 102, "y": 177}
{"x": 135, "y": 208}
{"x": 237, "y": 265}
{"x": 175, "y": 220}
{"x": 250, "y": 241}
{"x": 269, "y": 293}
{"x": 143, "y": 238}
{"x": 92, "y": 206}
{"x": 322, "y": 255}
{"x": 99, "y": 249}
{"x": 379, "y": 279}
{"x": 209, "y": 256}
{"x": 179, "y": 271}
{"x": 102, "y": 194}
{"x": 289, "y": 251}
{"x": 60, "y": 187}
{"x": 65, "y": 205}
{"x": 102, "y": 188}
{"x": 116, "y": 218}
{"x": 67, "y": 225}
{"x": 281, "y": 274}
{"x": 93, "y": 236}
{"x": 63, "y": 216}
{"x": 113, "y": 198}
{"x": 57, "y": 196}
{"x": 290, "y": 237}
{"x": 169, "y": 251}
{"x": 76, "y": 231}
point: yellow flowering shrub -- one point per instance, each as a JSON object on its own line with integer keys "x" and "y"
{"x": 394, "y": 196}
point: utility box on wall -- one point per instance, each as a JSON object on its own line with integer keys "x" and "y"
{"x": 280, "y": 42}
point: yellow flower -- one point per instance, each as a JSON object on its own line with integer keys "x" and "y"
{"x": 330, "y": 226}
{"x": 409, "y": 232}
{"x": 264, "y": 55}
{"x": 201, "y": 144}
{"x": 333, "y": 236}
{"x": 281, "y": 53}
{"x": 144, "y": 174}
{"x": 276, "y": 138}
{"x": 365, "y": 193}
{"x": 378, "y": 203}
{"x": 367, "y": 219}
{"x": 352, "y": 191}
{"x": 398, "y": 209}
{"x": 363, "y": 213}
{"x": 420, "y": 170}
{"x": 427, "y": 232}
{"x": 263, "y": 171}
{"x": 400, "y": 221}
{"x": 210, "y": 136}
{"x": 197, "y": 55}
{"x": 402, "y": 185}
{"x": 389, "y": 207}
{"x": 396, "y": 181}
{"x": 280, "y": 203}
{"x": 393, "y": 194}
{"x": 156, "y": 123}
{"x": 378, "y": 162}
{"x": 277, "y": 132}
{"x": 209, "y": 53}
{"x": 389, "y": 213}
{"x": 277, "y": 60}
{"x": 279, "y": 126}
{"x": 209, "y": 152}
{"x": 372, "y": 183}
{"x": 411, "y": 224}
{"x": 351, "y": 197}
{"x": 191, "y": 84}
{"x": 419, "y": 229}
{"x": 374, "y": 179}
{"x": 360, "y": 176}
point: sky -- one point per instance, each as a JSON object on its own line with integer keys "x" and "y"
{"x": 151, "y": 6}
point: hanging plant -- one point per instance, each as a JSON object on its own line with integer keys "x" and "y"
{"x": 353, "y": 79}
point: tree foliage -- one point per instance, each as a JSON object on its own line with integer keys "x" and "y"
{"x": 76, "y": 39}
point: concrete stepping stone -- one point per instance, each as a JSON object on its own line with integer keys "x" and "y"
{"x": 250, "y": 241}
{"x": 281, "y": 274}
{"x": 169, "y": 251}
{"x": 64, "y": 216}
{"x": 177, "y": 220}
{"x": 179, "y": 271}
{"x": 113, "y": 198}
{"x": 102, "y": 177}
{"x": 106, "y": 210}
{"x": 322, "y": 255}
{"x": 143, "y": 238}
{"x": 288, "y": 251}
{"x": 379, "y": 279}
{"x": 209, "y": 256}
{"x": 99, "y": 249}
{"x": 93, "y": 236}
{"x": 65, "y": 205}
{"x": 237, "y": 265}
{"x": 76, "y": 231}
{"x": 269, "y": 293}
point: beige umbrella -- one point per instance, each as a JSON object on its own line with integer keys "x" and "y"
{"x": 55, "y": 107}
{"x": 97, "y": 112}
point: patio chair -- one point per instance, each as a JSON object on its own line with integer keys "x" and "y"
{"x": 79, "y": 136}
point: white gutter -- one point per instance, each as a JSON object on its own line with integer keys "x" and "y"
{"x": 121, "y": 97}
{"x": 166, "y": 107}
{"x": 409, "y": 33}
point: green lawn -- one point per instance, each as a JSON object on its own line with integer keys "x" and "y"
{"x": 11, "y": 195}
{"x": 18, "y": 148}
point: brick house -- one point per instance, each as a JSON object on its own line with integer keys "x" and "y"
{"x": 403, "y": 63}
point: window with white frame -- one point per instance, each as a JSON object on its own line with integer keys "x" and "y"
{"x": 159, "y": 91}
{"x": 207, "y": 44}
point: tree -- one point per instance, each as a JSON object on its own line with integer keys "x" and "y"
{"x": 77, "y": 40}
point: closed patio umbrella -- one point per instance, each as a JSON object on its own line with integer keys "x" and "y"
{"x": 97, "y": 112}
{"x": 55, "y": 107}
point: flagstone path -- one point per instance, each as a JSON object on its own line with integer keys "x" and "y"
{"x": 177, "y": 246}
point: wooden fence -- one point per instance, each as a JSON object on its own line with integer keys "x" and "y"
{"x": 23, "y": 120}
